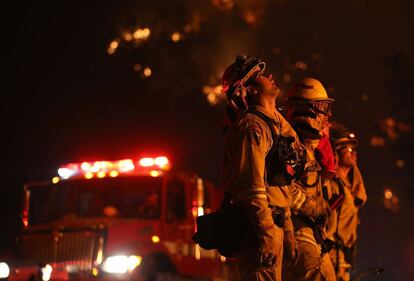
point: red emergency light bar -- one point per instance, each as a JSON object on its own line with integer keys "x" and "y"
{"x": 151, "y": 166}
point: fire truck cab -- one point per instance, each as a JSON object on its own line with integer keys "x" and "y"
{"x": 115, "y": 220}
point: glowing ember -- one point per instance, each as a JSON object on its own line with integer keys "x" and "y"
{"x": 388, "y": 193}
{"x": 127, "y": 36}
{"x": 377, "y": 141}
{"x": 214, "y": 94}
{"x": 147, "y": 72}
{"x": 301, "y": 65}
{"x": 400, "y": 163}
{"x": 223, "y": 4}
{"x": 142, "y": 33}
{"x": 287, "y": 77}
{"x": 364, "y": 98}
{"x": 137, "y": 67}
{"x": 112, "y": 47}
{"x": 176, "y": 36}
{"x": 114, "y": 44}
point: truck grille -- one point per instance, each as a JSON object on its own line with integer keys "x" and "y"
{"x": 73, "y": 248}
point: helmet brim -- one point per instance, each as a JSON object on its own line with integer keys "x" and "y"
{"x": 299, "y": 99}
{"x": 256, "y": 68}
{"x": 342, "y": 142}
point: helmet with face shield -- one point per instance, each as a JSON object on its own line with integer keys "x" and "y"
{"x": 238, "y": 77}
{"x": 311, "y": 93}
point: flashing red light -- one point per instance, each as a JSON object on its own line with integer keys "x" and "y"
{"x": 146, "y": 162}
{"x": 103, "y": 169}
{"x": 162, "y": 162}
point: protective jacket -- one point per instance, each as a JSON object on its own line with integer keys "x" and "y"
{"x": 354, "y": 195}
{"x": 352, "y": 189}
{"x": 244, "y": 167}
{"x": 310, "y": 216}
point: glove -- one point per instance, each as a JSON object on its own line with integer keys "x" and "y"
{"x": 322, "y": 220}
{"x": 358, "y": 202}
{"x": 290, "y": 249}
{"x": 269, "y": 245}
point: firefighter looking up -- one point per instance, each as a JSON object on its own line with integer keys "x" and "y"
{"x": 259, "y": 147}
{"x": 308, "y": 110}
{"x": 348, "y": 184}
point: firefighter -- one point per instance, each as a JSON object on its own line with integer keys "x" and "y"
{"x": 308, "y": 110}
{"x": 349, "y": 185}
{"x": 256, "y": 173}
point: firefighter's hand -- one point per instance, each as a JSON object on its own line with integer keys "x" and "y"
{"x": 270, "y": 241}
{"x": 290, "y": 249}
{"x": 266, "y": 260}
{"x": 321, "y": 221}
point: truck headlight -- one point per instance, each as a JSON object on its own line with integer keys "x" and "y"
{"x": 121, "y": 264}
{"x": 46, "y": 272}
{"x": 4, "y": 270}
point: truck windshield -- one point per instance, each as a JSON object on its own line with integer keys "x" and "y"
{"x": 134, "y": 197}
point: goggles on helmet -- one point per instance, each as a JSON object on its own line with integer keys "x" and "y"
{"x": 323, "y": 107}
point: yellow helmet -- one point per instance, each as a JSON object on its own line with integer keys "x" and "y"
{"x": 309, "y": 89}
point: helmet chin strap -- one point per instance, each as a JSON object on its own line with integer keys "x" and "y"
{"x": 238, "y": 102}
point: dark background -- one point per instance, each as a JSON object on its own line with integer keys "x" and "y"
{"x": 64, "y": 98}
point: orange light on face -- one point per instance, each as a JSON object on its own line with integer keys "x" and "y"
{"x": 146, "y": 162}
{"x": 352, "y": 135}
{"x": 101, "y": 174}
{"x": 88, "y": 175}
{"x": 55, "y": 180}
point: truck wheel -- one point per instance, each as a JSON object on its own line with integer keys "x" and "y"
{"x": 154, "y": 265}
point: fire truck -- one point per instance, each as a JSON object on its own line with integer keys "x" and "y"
{"x": 115, "y": 220}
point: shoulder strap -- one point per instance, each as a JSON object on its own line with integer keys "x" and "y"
{"x": 275, "y": 173}
{"x": 270, "y": 123}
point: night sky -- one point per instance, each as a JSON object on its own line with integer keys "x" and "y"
{"x": 69, "y": 95}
